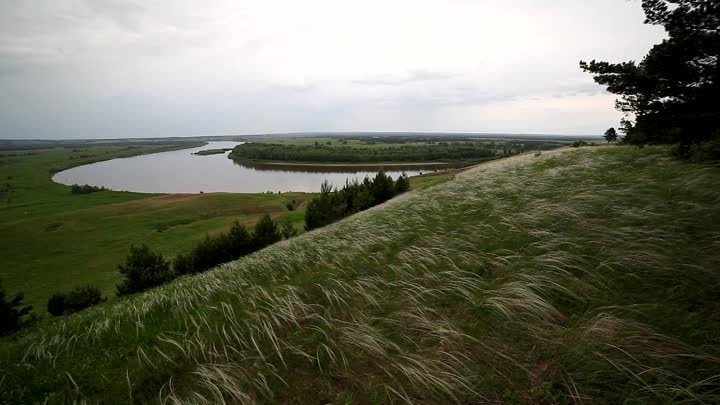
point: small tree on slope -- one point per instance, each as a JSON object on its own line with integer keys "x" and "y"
{"x": 143, "y": 269}
{"x": 12, "y": 313}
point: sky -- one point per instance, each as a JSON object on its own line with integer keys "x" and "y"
{"x": 153, "y": 68}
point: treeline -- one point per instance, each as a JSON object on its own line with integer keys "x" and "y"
{"x": 442, "y": 151}
{"x": 144, "y": 269}
{"x": 331, "y": 206}
{"x": 85, "y": 189}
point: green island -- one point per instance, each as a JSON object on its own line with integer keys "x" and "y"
{"x": 386, "y": 150}
{"x": 212, "y": 151}
{"x": 559, "y": 269}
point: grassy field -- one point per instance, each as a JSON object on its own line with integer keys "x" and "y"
{"x": 582, "y": 275}
{"x": 52, "y": 240}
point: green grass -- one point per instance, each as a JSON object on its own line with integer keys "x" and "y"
{"x": 52, "y": 240}
{"x": 582, "y": 275}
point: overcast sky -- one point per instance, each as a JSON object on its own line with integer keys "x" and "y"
{"x": 113, "y": 68}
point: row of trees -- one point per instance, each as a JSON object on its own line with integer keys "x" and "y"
{"x": 670, "y": 96}
{"x": 404, "y": 153}
{"x": 331, "y": 206}
{"x": 143, "y": 269}
{"x": 85, "y": 189}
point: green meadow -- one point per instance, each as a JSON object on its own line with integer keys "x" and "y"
{"x": 580, "y": 275}
{"x": 52, "y": 240}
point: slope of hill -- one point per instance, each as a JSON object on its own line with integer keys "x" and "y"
{"x": 581, "y": 275}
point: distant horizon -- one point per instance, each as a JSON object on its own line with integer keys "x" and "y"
{"x": 128, "y": 69}
{"x": 311, "y": 133}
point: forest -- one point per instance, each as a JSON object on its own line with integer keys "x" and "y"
{"x": 443, "y": 151}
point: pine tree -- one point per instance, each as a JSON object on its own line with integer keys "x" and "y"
{"x": 12, "y": 313}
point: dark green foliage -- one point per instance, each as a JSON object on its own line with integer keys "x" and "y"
{"x": 610, "y": 135}
{"x": 223, "y": 248}
{"x": 143, "y": 269}
{"x": 287, "y": 229}
{"x": 443, "y": 151}
{"x": 331, "y": 206}
{"x": 12, "y": 313}
{"x": 183, "y": 264}
{"x": 290, "y": 206}
{"x": 239, "y": 240}
{"x": 211, "y": 252}
{"x": 266, "y": 233}
{"x": 402, "y": 184}
{"x": 85, "y": 189}
{"x": 74, "y": 301}
{"x": 383, "y": 187}
{"x": 672, "y": 92}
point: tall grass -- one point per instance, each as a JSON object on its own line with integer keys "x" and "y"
{"x": 577, "y": 276}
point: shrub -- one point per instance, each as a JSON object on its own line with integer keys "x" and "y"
{"x": 266, "y": 233}
{"x": 143, "y": 269}
{"x": 74, "y": 301}
{"x": 288, "y": 229}
{"x": 12, "y": 313}
{"x": 183, "y": 264}
{"x": 239, "y": 240}
{"x": 85, "y": 189}
{"x": 402, "y": 184}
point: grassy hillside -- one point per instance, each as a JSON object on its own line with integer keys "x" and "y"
{"x": 52, "y": 240}
{"x": 581, "y": 275}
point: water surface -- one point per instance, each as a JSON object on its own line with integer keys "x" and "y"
{"x": 182, "y": 172}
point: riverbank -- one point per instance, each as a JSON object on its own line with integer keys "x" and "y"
{"x": 52, "y": 240}
{"x": 578, "y": 275}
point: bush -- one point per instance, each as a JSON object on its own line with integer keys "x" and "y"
{"x": 331, "y": 205}
{"x": 74, "y": 301}
{"x": 402, "y": 184}
{"x": 143, "y": 269}
{"x": 85, "y": 189}
{"x": 266, "y": 233}
{"x": 12, "y": 313}
{"x": 288, "y": 229}
{"x": 183, "y": 264}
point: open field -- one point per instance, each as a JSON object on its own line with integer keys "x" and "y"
{"x": 582, "y": 275}
{"x": 52, "y": 240}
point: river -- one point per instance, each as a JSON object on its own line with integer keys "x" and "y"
{"x": 181, "y": 171}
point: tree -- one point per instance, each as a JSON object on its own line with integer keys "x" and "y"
{"x": 610, "y": 135}
{"x": 402, "y": 184}
{"x": 76, "y": 300}
{"x": 143, "y": 269}
{"x": 383, "y": 187}
{"x": 12, "y": 313}
{"x": 671, "y": 93}
{"x": 184, "y": 264}
{"x": 288, "y": 229}
{"x": 239, "y": 240}
{"x": 266, "y": 233}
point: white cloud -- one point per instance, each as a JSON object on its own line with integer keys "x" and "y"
{"x": 111, "y": 68}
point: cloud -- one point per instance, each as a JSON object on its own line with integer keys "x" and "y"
{"x": 109, "y": 68}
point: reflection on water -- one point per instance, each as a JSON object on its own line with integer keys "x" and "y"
{"x": 182, "y": 172}
{"x": 339, "y": 168}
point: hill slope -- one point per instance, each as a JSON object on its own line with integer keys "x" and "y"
{"x": 582, "y": 275}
